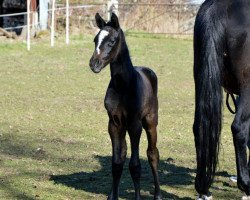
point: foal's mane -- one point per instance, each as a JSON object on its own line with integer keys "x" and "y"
{"x": 122, "y": 47}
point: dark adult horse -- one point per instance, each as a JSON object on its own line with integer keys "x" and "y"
{"x": 131, "y": 102}
{"x": 221, "y": 59}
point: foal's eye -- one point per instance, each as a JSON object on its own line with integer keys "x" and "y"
{"x": 111, "y": 43}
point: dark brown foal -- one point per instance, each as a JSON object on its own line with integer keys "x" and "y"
{"x": 131, "y": 102}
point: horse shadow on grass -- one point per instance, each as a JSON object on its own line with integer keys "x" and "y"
{"x": 99, "y": 182}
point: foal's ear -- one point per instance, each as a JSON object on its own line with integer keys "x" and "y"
{"x": 114, "y": 21}
{"x": 99, "y": 21}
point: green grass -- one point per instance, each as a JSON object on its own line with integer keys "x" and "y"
{"x": 54, "y": 142}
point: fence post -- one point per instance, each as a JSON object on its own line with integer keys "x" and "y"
{"x": 43, "y": 14}
{"x": 112, "y": 6}
{"x": 52, "y": 24}
{"x": 67, "y": 21}
{"x": 28, "y": 25}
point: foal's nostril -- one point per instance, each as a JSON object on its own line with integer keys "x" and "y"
{"x": 94, "y": 63}
{"x": 97, "y": 63}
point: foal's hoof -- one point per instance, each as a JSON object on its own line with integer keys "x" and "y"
{"x": 205, "y": 197}
{"x": 158, "y": 198}
{"x": 245, "y": 198}
{"x": 110, "y": 197}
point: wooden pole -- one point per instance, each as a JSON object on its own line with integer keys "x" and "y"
{"x": 8, "y": 34}
{"x": 67, "y": 22}
{"x": 53, "y": 24}
{"x": 28, "y": 25}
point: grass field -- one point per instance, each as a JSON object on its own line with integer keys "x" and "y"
{"x": 54, "y": 142}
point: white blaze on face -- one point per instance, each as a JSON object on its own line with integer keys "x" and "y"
{"x": 101, "y": 37}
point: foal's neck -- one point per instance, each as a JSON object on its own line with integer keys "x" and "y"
{"x": 122, "y": 70}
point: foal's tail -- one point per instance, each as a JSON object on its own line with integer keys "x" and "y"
{"x": 208, "y": 63}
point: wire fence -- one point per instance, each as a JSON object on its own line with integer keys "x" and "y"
{"x": 157, "y": 18}
{"x": 163, "y": 18}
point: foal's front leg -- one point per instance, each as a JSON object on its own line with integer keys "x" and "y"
{"x": 135, "y": 129}
{"x": 117, "y": 134}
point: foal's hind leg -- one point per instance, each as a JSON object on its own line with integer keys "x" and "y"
{"x": 240, "y": 130}
{"x": 119, "y": 147}
{"x": 134, "y": 130}
{"x": 149, "y": 124}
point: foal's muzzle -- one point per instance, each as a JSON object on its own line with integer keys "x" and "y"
{"x": 95, "y": 65}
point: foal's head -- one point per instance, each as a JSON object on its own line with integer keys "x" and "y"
{"x": 107, "y": 43}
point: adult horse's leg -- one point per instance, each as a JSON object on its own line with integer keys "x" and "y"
{"x": 117, "y": 134}
{"x": 248, "y": 145}
{"x": 240, "y": 130}
{"x": 149, "y": 124}
{"x": 134, "y": 130}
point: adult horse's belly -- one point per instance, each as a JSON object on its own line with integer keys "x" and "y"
{"x": 230, "y": 83}
{"x": 237, "y": 73}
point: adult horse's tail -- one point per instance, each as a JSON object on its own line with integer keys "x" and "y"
{"x": 208, "y": 64}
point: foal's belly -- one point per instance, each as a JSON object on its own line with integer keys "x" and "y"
{"x": 123, "y": 107}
